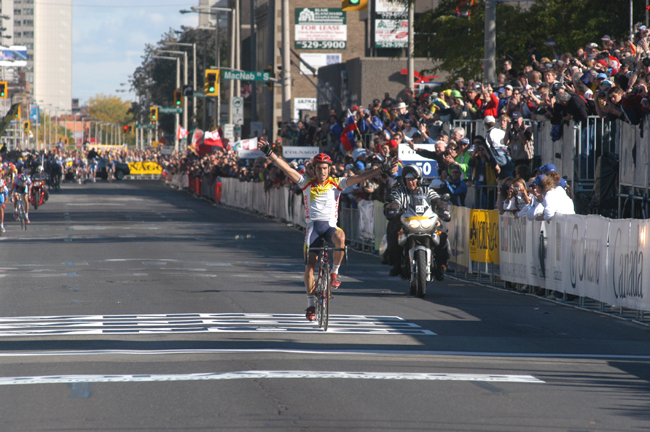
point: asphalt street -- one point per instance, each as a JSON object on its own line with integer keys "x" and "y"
{"x": 130, "y": 306}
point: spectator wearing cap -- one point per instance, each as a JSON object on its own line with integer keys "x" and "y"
{"x": 519, "y": 141}
{"x": 487, "y": 102}
{"x": 463, "y": 157}
{"x": 456, "y": 186}
{"x": 470, "y": 107}
{"x": 401, "y": 109}
{"x": 409, "y": 130}
{"x": 493, "y": 135}
{"x": 505, "y": 99}
{"x": 459, "y": 84}
{"x": 556, "y": 200}
{"x": 388, "y": 102}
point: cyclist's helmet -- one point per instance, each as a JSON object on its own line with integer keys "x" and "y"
{"x": 322, "y": 158}
{"x": 412, "y": 171}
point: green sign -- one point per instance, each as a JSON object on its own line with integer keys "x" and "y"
{"x": 244, "y": 76}
{"x": 170, "y": 110}
{"x": 320, "y": 28}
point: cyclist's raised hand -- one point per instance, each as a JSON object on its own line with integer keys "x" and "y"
{"x": 264, "y": 146}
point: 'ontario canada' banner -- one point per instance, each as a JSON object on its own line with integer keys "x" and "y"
{"x": 588, "y": 256}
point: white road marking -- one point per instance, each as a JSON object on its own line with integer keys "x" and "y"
{"x": 374, "y": 353}
{"x": 203, "y": 323}
{"x": 277, "y": 374}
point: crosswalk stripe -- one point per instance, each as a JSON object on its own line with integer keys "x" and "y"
{"x": 203, "y": 323}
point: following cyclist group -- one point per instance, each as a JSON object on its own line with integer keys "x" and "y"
{"x": 29, "y": 176}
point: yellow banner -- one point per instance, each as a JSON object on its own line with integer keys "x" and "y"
{"x": 484, "y": 236}
{"x": 144, "y": 168}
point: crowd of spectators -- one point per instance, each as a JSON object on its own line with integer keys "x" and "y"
{"x": 608, "y": 79}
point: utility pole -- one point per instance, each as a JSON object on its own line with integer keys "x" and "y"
{"x": 411, "y": 46}
{"x": 233, "y": 49}
{"x": 490, "y": 50}
{"x": 286, "y": 63}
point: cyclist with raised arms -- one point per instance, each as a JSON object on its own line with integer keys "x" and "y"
{"x": 321, "y": 197}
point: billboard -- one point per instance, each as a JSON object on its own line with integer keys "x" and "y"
{"x": 320, "y": 28}
{"x": 13, "y": 56}
{"x": 390, "y": 24}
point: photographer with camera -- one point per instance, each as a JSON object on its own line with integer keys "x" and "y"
{"x": 519, "y": 140}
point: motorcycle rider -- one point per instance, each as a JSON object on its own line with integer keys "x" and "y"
{"x": 398, "y": 204}
{"x": 39, "y": 175}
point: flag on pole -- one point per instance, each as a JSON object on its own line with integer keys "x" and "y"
{"x": 197, "y": 136}
{"x": 212, "y": 139}
{"x": 347, "y": 136}
{"x": 182, "y": 133}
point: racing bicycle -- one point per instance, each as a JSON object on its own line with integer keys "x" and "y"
{"x": 324, "y": 283}
{"x": 20, "y": 209}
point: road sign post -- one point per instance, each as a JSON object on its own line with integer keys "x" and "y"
{"x": 237, "y": 106}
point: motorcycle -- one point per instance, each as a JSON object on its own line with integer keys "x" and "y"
{"x": 38, "y": 194}
{"x": 419, "y": 235}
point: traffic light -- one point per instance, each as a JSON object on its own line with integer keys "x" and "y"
{"x": 153, "y": 114}
{"x": 212, "y": 82}
{"x": 3, "y": 89}
{"x": 354, "y": 5}
{"x": 65, "y": 141}
{"x": 178, "y": 98}
{"x": 125, "y": 128}
{"x": 270, "y": 83}
{"x": 17, "y": 115}
{"x": 26, "y": 126}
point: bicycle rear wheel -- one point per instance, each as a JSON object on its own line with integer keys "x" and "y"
{"x": 321, "y": 288}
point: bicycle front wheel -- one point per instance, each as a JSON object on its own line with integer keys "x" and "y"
{"x": 327, "y": 295}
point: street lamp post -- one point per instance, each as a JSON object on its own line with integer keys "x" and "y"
{"x": 193, "y": 45}
{"x": 185, "y": 82}
{"x": 178, "y": 84}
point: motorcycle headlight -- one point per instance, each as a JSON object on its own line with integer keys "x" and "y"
{"x": 426, "y": 223}
{"x": 414, "y": 223}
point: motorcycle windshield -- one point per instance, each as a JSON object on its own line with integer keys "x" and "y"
{"x": 418, "y": 204}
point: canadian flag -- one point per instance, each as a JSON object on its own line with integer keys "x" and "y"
{"x": 212, "y": 139}
{"x": 182, "y": 133}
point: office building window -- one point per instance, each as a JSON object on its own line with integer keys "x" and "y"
{"x": 17, "y": 34}
{"x": 28, "y": 11}
{"x": 28, "y": 34}
{"x": 28, "y": 23}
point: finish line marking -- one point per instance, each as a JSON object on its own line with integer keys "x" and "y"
{"x": 66, "y": 379}
{"x": 203, "y": 323}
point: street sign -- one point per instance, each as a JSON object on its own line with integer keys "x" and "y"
{"x": 170, "y": 110}
{"x": 229, "y": 132}
{"x": 245, "y": 76}
{"x": 237, "y": 110}
{"x": 144, "y": 126}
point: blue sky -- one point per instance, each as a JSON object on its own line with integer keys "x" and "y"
{"x": 108, "y": 39}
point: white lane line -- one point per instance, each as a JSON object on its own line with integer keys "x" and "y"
{"x": 278, "y": 374}
{"x": 374, "y": 353}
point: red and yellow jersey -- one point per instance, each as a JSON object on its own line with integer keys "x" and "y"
{"x": 322, "y": 201}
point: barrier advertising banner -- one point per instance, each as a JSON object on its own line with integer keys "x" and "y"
{"x": 458, "y": 238}
{"x": 144, "y": 168}
{"x": 484, "y": 236}
{"x": 626, "y": 280}
{"x": 536, "y": 234}
{"x": 513, "y": 248}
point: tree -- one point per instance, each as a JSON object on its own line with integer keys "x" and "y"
{"x": 455, "y": 43}
{"x": 110, "y": 109}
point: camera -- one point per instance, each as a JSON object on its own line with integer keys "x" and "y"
{"x": 646, "y": 61}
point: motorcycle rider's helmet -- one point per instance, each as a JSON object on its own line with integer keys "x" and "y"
{"x": 39, "y": 168}
{"x": 322, "y": 158}
{"x": 412, "y": 171}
